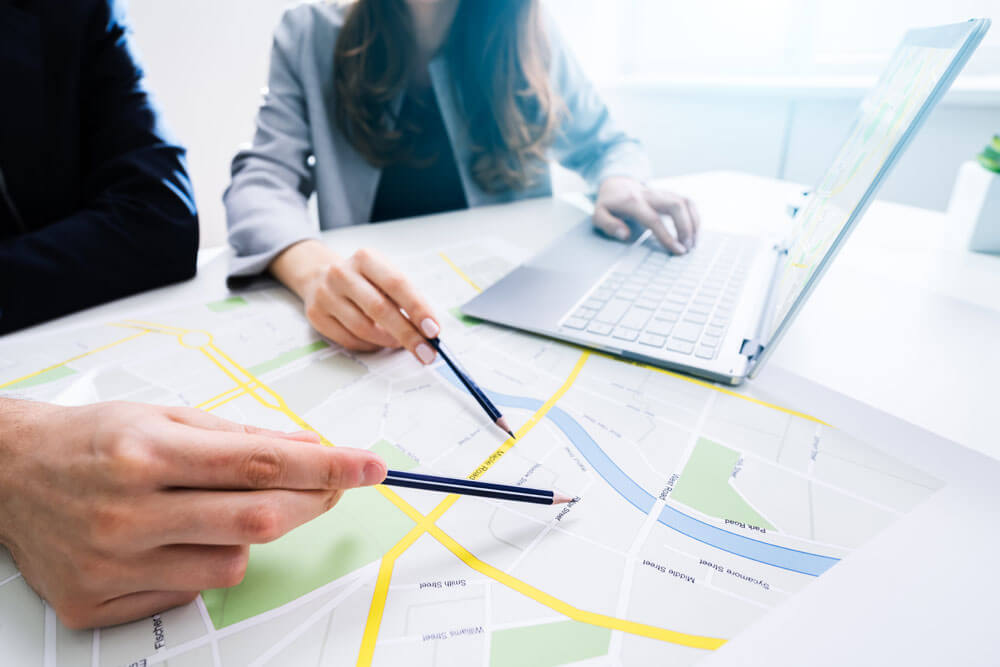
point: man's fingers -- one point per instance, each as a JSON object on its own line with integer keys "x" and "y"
{"x": 237, "y": 517}
{"x": 677, "y": 208}
{"x": 179, "y": 567}
{"x": 609, "y": 224}
{"x": 203, "y": 459}
{"x": 400, "y": 292}
{"x": 206, "y": 420}
{"x": 124, "y": 608}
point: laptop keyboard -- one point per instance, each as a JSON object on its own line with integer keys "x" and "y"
{"x": 678, "y": 303}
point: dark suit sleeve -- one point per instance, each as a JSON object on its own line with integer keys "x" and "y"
{"x": 137, "y": 227}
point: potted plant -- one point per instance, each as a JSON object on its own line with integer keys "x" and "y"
{"x": 975, "y": 201}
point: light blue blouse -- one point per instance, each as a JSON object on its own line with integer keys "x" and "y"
{"x": 298, "y": 150}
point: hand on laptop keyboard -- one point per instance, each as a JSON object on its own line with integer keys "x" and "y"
{"x": 681, "y": 304}
{"x": 621, "y": 199}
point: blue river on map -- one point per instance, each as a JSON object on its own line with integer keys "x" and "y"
{"x": 762, "y": 552}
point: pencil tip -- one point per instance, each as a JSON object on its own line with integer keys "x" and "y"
{"x": 502, "y": 423}
{"x": 511, "y": 433}
{"x": 559, "y": 499}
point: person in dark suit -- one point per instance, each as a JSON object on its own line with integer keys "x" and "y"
{"x": 95, "y": 201}
{"x": 114, "y": 511}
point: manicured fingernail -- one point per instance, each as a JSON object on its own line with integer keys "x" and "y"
{"x": 374, "y": 473}
{"x": 430, "y": 327}
{"x": 622, "y": 233}
{"x": 425, "y": 353}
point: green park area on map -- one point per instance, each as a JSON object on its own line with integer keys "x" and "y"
{"x": 704, "y": 485}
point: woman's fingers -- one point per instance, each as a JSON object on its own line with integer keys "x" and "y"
{"x": 677, "y": 208}
{"x": 398, "y": 294}
{"x": 648, "y": 217}
{"x": 350, "y": 314}
{"x": 695, "y": 218}
{"x": 610, "y": 225}
{"x": 330, "y": 327}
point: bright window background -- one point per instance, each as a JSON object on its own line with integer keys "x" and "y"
{"x": 746, "y": 38}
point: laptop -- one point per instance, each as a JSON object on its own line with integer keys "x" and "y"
{"x": 719, "y": 311}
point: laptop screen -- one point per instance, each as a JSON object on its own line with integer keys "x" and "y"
{"x": 917, "y": 75}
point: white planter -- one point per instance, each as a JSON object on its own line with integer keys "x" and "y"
{"x": 975, "y": 206}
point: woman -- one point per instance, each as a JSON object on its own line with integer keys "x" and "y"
{"x": 395, "y": 108}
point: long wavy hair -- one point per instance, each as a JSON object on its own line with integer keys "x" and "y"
{"x": 498, "y": 55}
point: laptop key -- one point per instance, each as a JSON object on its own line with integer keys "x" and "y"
{"x": 651, "y": 339}
{"x": 636, "y": 318}
{"x": 709, "y": 340}
{"x": 660, "y": 327}
{"x": 715, "y": 329}
{"x": 626, "y": 293}
{"x": 600, "y": 328}
{"x": 687, "y": 331}
{"x": 705, "y": 352}
{"x": 681, "y": 346}
{"x": 575, "y": 323}
{"x": 593, "y": 304}
{"x": 646, "y": 302}
{"x": 625, "y": 333}
{"x": 699, "y": 308}
{"x": 678, "y": 298}
{"x": 585, "y": 313}
{"x": 695, "y": 317}
{"x": 613, "y": 311}
{"x": 602, "y": 294}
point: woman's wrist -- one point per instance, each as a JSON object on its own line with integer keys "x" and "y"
{"x": 299, "y": 264}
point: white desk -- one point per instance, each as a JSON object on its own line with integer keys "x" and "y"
{"x": 907, "y": 320}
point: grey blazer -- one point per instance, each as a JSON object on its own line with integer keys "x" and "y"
{"x": 297, "y": 149}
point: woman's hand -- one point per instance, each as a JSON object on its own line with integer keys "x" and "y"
{"x": 621, "y": 197}
{"x": 114, "y": 511}
{"x": 357, "y": 301}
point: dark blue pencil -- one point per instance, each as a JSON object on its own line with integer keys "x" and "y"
{"x": 473, "y": 388}
{"x": 469, "y": 487}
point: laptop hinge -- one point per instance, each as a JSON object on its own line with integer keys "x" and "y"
{"x": 751, "y": 349}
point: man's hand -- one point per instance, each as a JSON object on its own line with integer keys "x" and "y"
{"x": 357, "y": 301}
{"x": 623, "y": 198}
{"x": 117, "y": 510}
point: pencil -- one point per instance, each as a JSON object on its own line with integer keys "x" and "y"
{"x": 469, "y": 487}
{"x": 477, "y": 393}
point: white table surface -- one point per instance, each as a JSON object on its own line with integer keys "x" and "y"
{"x": 907, "y": 319}
{"x": 906, "y": 323}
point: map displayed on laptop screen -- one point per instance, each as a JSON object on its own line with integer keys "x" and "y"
{"x": 883, "y": 117}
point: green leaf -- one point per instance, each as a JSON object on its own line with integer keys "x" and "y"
{"x": 991, "y": 153}
{"x": 992, "y": 165}
{"x": 995, "y": 144}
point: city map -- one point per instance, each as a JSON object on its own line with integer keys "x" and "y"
{"x": 698, "y": 508}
